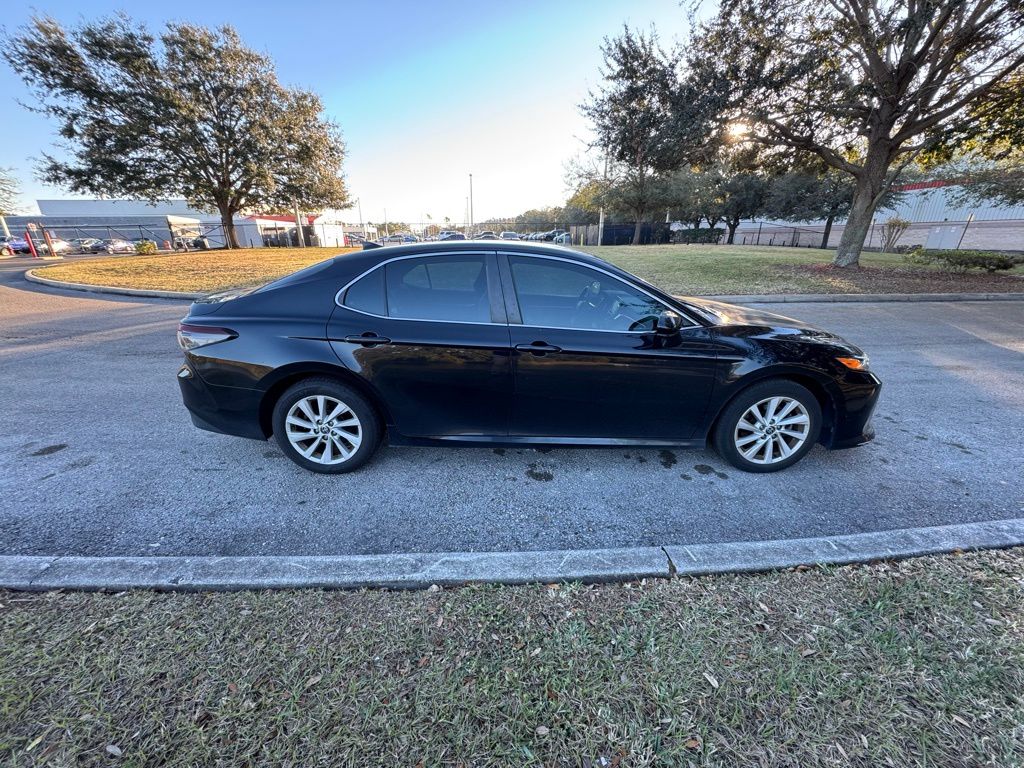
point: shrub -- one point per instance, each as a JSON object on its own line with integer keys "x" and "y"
{"x": 961, "y": 261}
{"x": 145, "y": 247}
{"x": 690, "y": 236}
{"x": 892, "y": 231}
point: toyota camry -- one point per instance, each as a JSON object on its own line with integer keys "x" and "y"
{"x": 510, "y": 343}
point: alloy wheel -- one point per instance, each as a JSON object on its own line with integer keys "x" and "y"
{"x": 772, "y": 430}
{"x": 323, "y": 429}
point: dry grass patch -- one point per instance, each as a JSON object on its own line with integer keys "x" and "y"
{"x": 904, "y": 664}
{"x": 193, "y": 272}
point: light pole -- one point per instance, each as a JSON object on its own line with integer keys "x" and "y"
{"x": 362, "y": 227}
{"x": 471, "y": 201}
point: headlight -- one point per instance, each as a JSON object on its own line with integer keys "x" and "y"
{"x": 855, "y": 363}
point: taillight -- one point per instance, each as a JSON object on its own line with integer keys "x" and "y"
{"x": 195, "y": 336}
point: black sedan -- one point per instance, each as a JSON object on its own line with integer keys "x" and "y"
{"x": 465, "y": 343}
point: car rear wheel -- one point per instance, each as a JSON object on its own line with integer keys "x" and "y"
{"x": 768, "y": 427}
{"x": 325, "y": 426}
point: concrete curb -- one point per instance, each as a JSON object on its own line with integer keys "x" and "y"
{"x": 782, "y": 298}
{"x": 32, "y": 277}
{"x": 424, "y": 569}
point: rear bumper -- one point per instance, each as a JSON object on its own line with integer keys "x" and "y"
{"x": 227, "y": 410}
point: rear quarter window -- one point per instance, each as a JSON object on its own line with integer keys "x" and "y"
{"x": 367, "y": 294}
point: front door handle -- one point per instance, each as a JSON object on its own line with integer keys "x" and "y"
{"x": 538, "y": 348}
{"x": 367, "y": 339}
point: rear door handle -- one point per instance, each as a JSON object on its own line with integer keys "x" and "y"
{"x": 538, "y": 348}
{"x": 367, "y": 339}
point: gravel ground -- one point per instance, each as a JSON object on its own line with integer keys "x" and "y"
{"x": 98, "y": 456}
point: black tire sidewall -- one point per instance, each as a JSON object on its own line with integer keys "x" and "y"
{"x": 353, "y": 399}
{"x": 724, "y": 428}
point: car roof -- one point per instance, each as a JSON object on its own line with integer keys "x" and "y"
{"x": 469, "y": 245}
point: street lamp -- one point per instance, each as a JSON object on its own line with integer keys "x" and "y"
{"x": 471, "y": 201}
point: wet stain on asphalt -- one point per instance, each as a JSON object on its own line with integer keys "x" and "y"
{"x": 641, "y": 459}
{"x": 962, "y": 447}
{"x": 499, "y": 451}
{"x": 543, "y": 450}
{"x": 686, "y": 476}
{"x": 668, "y": 459}
{"x": 707, "y": 469}
{"x": 539, "y": 474}
{"x": 50, "y": 449}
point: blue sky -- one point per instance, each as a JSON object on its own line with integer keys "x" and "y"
{"x": 425, "y": 93}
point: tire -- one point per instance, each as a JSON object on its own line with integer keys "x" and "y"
{"x": 356, "y": 429}
{"x": 765, "y": 441}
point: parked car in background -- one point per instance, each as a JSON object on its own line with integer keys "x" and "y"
{"x": 551, "y": 234}
{"x": 114, "y": 245}
{"x": 485, "y": 235}
{"x": 443, "y": 344}
{"x": 15, "y": 244}
{"x": 83, "y": 244}
{"x": 509, "y": 236}
{"x": 393, "y": 239}
{"x": 57, "y": 246}
{"x": 445, "y": 236}
{"x": 563, "y": 239}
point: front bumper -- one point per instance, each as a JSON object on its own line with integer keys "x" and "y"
{"x": 853, "y": 424}
{"x": 227, "y": 410}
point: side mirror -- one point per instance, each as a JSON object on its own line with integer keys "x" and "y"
{"x": 669, "y": 322}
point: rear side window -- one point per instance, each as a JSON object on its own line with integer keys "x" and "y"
{"x": 367, "y": 294}
{"x": 451, "y": 288}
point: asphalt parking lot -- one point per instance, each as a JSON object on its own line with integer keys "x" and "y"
{"x": 98, "y": 456}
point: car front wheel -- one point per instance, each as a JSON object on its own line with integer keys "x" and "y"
{"x": 768, "y": 427}
{"x": 325, "y": 426}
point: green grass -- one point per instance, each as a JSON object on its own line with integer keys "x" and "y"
{"x": 914, "y": 663}
{"x": 694, "y": 270}
{"x": 698, "y": 270}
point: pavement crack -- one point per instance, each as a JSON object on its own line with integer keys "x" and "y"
{"x": 45, "y": 568}
{"x": 672, "y": 570}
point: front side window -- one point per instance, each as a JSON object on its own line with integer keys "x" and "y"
{"x": 451, "y": 288}
{"x": 557, "y": 294}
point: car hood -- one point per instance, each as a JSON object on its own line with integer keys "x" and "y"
{"x": 756, "y": 321}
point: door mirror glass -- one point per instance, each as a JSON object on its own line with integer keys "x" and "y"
{"x": 669, "y": 322}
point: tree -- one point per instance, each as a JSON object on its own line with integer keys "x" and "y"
{"x": 806, "y": 195}
{"x": 692, "y": 195}
{"x": 990, "y": 165}
{"x": 9, "y": 192}
{"x": 743, "y": 196}
{"x": 630, "y": 116}
{"x": 191, "y": 113}
{"x": 868, "y": 86}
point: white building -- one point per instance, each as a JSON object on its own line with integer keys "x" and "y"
{"x": 938, "y": 220}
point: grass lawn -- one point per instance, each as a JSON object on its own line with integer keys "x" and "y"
{"x": 680, "y": 269}
{"x": 913, "y": 663}
{"x": 196, "y": 271}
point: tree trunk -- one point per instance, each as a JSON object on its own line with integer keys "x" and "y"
{"x": 636, "y": 231}
{"x": 227, "y": 221}
{"x": 865, "y": 200}
{"x": 828, "y": 230}
{"x": 732, "y": 232}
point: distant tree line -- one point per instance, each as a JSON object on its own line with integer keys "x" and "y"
{"x": 803, "y": 109}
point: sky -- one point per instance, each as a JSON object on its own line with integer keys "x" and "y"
{"x": 426, "y": 93}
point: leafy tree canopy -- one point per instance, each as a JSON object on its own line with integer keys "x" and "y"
{"x": 189, "y": 113}
{"x": 867, "y": 86}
